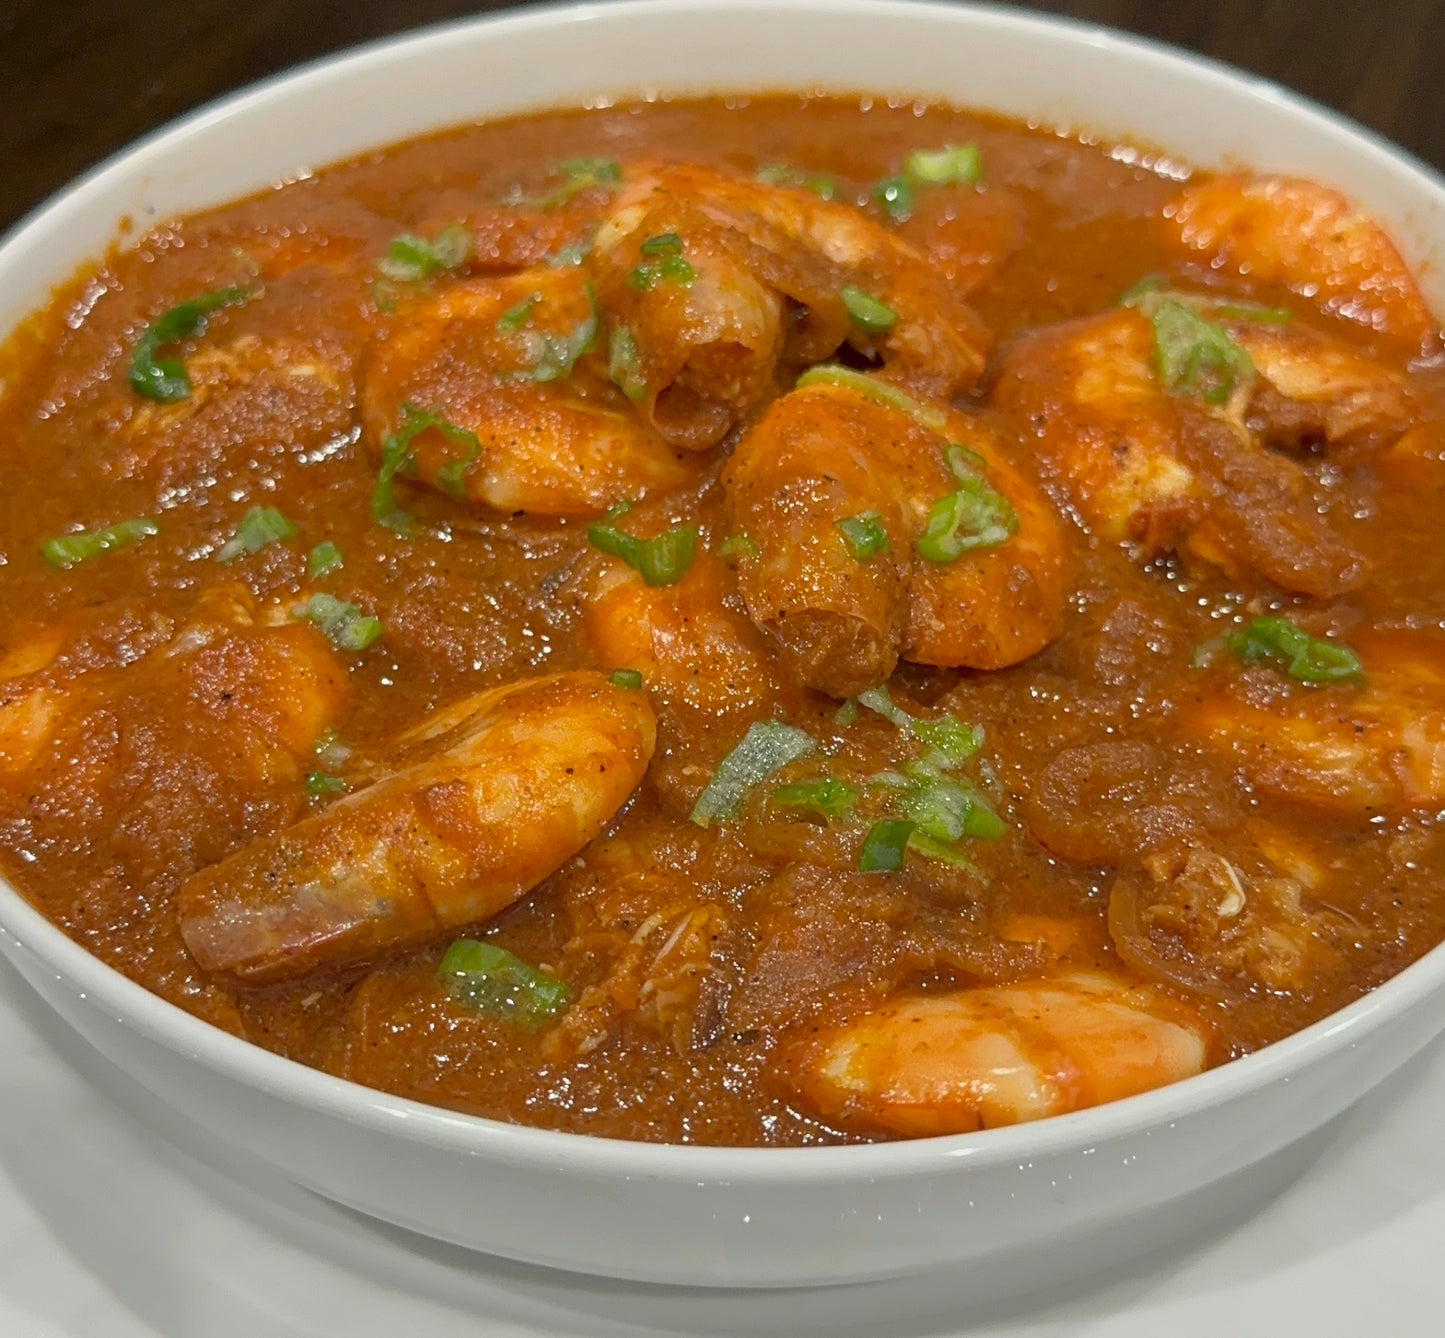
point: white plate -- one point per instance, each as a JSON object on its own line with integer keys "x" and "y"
{"x": 106, "y": 1231}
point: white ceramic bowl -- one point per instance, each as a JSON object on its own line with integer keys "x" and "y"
{"x": 706, "y": 1215}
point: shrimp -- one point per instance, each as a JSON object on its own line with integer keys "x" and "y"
{"x": 484, "y": 799}
{"x": 498, "y": 358}
{"x": 833, "y": 452}
{"x": 1163, "y": 471}
{"x": 1379, "y": 748}
{"x": 690, "y": 648}
{"x": 809, "y": 250}
{"x": 978, "y": 1058}
{"x": 1305, "y": 237}
{"x": 697, "y": 349}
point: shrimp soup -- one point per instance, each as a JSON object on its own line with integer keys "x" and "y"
{"x": 768, "y": 622}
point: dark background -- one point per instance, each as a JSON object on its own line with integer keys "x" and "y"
{"x": 78, "y": 78}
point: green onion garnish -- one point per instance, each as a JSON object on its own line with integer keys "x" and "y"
{"x": 932, "y": 848}
{"x": 492, "y": 980}
{"x": 553, "y": 356}
{"x": 260, "y": 526}
{"x": 864, "y": 534}
{"x": 880, "y": 700}
{"x": 1197, "y": 356}
{"x": 831, "y": 799}
{"x": 661, "y": 560}
{"x": 626, "y": 678}
{"x": 1305, "y": 658}
{"x": 768, "y": 746}
{"x": 514, "y": 318}
{"x": 952, "y": 165}
{"x": 884, "y": 845}
{"x": 397, "y": 458}
{"x": 974, "y": 516}
{"x": 895, "y": 197}
{"x": 66, "y": 550}
{"x": 412, "y": 259}
{"x": 324, "y": 559}
{"x": 344, "y": 625}
{"x": 950, "y": 810}
{"x": 846, "y": 714}
{"x": 870, "y": 387}
{"x": 866, "y": 311}
{"x": 578, "y": 174}
{"x": 320, "y": 783}
{"x": 950, "y": 741}
{"x": 165, "y": 379}
{"x": 623, "y": 365}
{"x": 736, "y": 545}
{"x": 965, "y": 465}
{"x": 1152, "y": 289}
{"x": 667, "y": 264}
{"x": 775, "y": 174}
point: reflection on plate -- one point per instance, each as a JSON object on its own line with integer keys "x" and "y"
{"x": 107, "y": 1230}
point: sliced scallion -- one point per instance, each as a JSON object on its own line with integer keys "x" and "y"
{"x": 884, "y": 846}
{"x": 775, "y": 174}
{"x": 578, "y": 175}
{"x": 1305, "y": 658}
{"x": 952, "y": 165}
{"x": 767, "y": 747}
{"x": 553, "y": 356}
{"x": 624, "y": 366}
{"x": 626, "y": 678}
{"x": 342, "y": 624}
{"x": 736, "y": 545}
{"x": 397, "y": 458}
{"x": 67, "y": 550}
{"x": 260, "y": 526}
{"x": 665, "y": 264}
{"x": 662, "y": 560}
{"x": 319, "y": 784}
{"x": 1196, "y": 356}
{"x": 864, "y": 534}
{"x": 488, "y": 978}
{"x": 973, "y": 516}
{"x": 413, "y": 259}
{"x": 165, "y": 379}
{"x": 324, "y": 559}
{"x": 829, "y": 798}
{"x": 870, "y": 387}
{"x": 866, "y": 311}
{"x": 514, "y": 318}
{"x": 895, "y": 197}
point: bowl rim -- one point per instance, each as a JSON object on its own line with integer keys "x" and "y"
{"x": 23, "y": 929}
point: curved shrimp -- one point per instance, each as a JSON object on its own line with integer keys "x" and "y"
{"x": 809, "y": 250}
{"x": 499, "y": 358}
{"x": 978, "y": 1058}
{"x": 1305, "y": 237}
{"x": 486, "y": 798}
{"x": 1163, "y": 471}
{"x": 1375, "y": 748}
{"x": 831, "y": 453}
{"x": 690, "y": 648}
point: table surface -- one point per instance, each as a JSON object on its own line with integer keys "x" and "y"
{"x": 80, "y": 78}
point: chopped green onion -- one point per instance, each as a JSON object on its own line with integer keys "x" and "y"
{"x": 324, "y": 559}
{"x": 66, "y": 550}
{"x": 884, "y": 845}
{"x": 514, "y": 318}
{"x": 1254, "y": 311}
{"x": 866, "y": 311}
{"x": 668, "y": 265}
{"x": 864, "y": 534}
{"x": 570, "y": 255}
{"x": 165, "y": 379}
{"x": 661, "y": 560}
{"x": 330, "y": 751}
{"x": 492, "y": 980}
{"x": 320, "y": 783}
{"x": 950, "y": 739}
{"x": 1138, "y": 293}
{"x": 736, "y": 545}
{"x": 952, "y": 165}
{"x": 965, "y": 465}
{"x": 831, "y": 799}
{"x": 775, "y": 174}
{"x": 895, "y": 197}
{"x": 846, "y": 714}
{"x": 932, "y": 848}
{"x": 1152, "y": 289}
{"x": 623, "y": 365}
{"x": 1197, "y": 356}
{"x": 260, "y": 526}
{"x": 578, "y": 174}
{"x": 553, "y": 356}
{"x": 880, "y": 700}
{"x": 344, "y": 625}
{"x": 397, "y": 458}
{"x": 626, "y": 678}
{"x": 870, "y": 387}
{"x": 949, "y": 810}
{"x": 1305, "y": 658}
{"x": 768, "y": 746}
{"x": 412, "y": 259}
{"x": 975, "y": 516}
